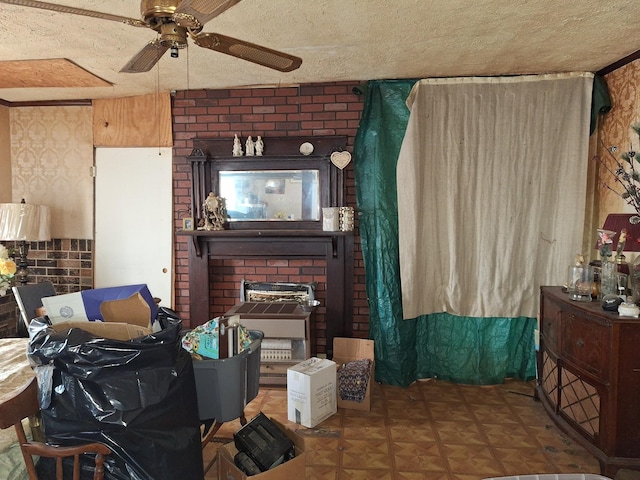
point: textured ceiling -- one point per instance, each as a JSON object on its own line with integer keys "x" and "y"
{"x": 337, "y": 40}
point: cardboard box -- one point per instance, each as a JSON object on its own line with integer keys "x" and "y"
{"x": 347, "y": 350}
{"x": 126, "y": 304}
{"x": 311, "y": 391}
{"x": 133, "y": 310}
{"x": 113, "y": 330}
{"x": 292, "y": 469}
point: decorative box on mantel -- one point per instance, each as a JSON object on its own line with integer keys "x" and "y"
{"x": 274, "y": 236}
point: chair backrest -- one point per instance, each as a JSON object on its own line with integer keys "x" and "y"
{"x": 24, "y": 404}
{"x": 29, "y": 299}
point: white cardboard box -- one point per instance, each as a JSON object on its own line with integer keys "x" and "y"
{"x": 311, "y": 391}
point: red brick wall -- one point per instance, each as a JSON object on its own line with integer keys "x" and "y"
{"x": 325, "y": 109}
{"x": 67, "y": 263}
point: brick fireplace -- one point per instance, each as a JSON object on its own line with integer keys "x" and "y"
{"x": 317, "y": 110}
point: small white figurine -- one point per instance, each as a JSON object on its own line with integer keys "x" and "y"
{"x": 250, "y": 147}
{"x": 237, "y": 146}
{"x": 259, "y": 146}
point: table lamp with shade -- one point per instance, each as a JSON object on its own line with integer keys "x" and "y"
{"x": 24, "y": 223}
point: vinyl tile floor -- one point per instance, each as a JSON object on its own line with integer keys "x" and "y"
{"x": 432, "y": 430}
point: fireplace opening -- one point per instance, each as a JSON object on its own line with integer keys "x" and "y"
{"x": 301, "y": 293}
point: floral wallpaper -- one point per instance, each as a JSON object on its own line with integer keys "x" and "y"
{"x": 615, "y": 130}
{"x": 51, "y": 160}
{"x": 5, "y": 156}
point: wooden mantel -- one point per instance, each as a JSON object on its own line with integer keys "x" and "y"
{"x": 273, "y": 239}
{"x": 336, "y": 248}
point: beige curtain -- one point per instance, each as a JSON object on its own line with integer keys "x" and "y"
{"x": 491, "y": 192}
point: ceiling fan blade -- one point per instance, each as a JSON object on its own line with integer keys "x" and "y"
{"x": 76, "y": 11}
{"x": 195, "y": 13}
{"x": 248, "y": 51}
{"x": 146, "y": 58}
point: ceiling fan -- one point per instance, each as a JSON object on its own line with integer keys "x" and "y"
{"x": 175, "y": 21}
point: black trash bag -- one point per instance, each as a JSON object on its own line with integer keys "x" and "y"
{"x": 137, "y": 397}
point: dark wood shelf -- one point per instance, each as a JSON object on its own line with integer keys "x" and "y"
{"x": 262, "y": 233}
{"x": 272, "y": 239}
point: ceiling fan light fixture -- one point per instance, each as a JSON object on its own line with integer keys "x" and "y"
{"x": 157, "y": 12}
{"x": 172, "y": 36}
{"x": 187, "y": 21}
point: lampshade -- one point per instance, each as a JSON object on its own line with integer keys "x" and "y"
{"x": 44, "y": 229}
{"x": 23, "y": 221}
{"x": 616, "y": 222}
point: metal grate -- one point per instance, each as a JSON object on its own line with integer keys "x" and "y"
{"x": 263, "y": 308}
{"x": 274, "y": 292}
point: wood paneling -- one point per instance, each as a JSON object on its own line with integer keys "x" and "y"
{"x": 143, "y": 121}
{"x": 56, "y": 72}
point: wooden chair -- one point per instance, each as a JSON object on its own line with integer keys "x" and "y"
{"x": 24, "y": 404}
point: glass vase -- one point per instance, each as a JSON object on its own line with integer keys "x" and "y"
{"x": 608, "y": 280}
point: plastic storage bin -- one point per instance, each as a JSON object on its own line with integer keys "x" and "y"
{"x": 225, "y": 386}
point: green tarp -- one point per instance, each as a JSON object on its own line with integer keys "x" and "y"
{"x": 477, "y": 351}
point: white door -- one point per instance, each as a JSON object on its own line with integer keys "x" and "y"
{"x": 133, "y": 219}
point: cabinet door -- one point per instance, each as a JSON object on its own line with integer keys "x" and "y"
{"x": 580, "y": 403}
{"x": 550, "y": 325}
{"x": 548, "y": 378}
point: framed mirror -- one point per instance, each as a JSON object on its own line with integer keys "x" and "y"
{"x": 274, "y": 193}
{"x": 268, "y": 195}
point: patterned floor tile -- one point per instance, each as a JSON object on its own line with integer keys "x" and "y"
{"x": 471, "y": 459}
{"x": 496, "y": 414}
{"x": 366, "y": 453}
{"x": 432, "y": 430}
{"x": 412, "y": 430}
{"x": 456, "y": 411}
{"x": 401, "y": 475}
{"x": 482, "y": 395}
{"x": 365, "y": 474}
{"x": 322, "y": 451}
{"x": 320, "y": 473}
{"x": 406, "y": 409}
{"x": 418, "y": 456}
{"x": 461, "y": 433}
{"x": 520, "y": 461}
{"x": 512, "y": 436}
{"x": 373, "y": 432}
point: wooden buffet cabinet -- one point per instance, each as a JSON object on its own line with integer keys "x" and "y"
{"x": 589, "y": 377}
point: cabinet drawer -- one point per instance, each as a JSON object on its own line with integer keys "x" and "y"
{"x": 585, "y": 343}
{"x": 550, "y": 324}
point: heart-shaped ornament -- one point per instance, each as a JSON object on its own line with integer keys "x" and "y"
{"x": 340, "y": 159}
